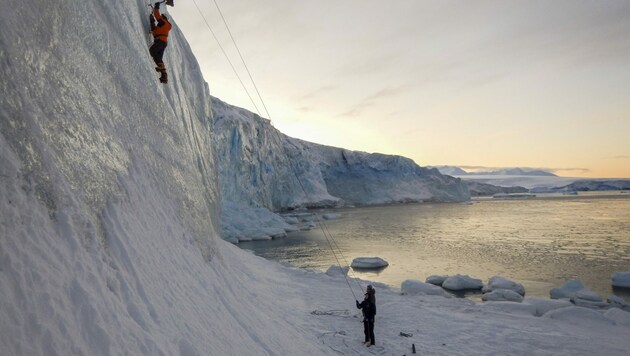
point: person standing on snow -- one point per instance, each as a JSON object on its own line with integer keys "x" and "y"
{"x": 368, "y": 307}
{"x": 160, "y": 40}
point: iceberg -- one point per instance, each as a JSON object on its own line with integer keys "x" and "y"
{"x": 621, "y": 279}
{"x": 498, "y": 282}
{"x": 437, "y": 280}
{"x": 259, "y": 167}
{"x": 567, "y": 290}
{"x": 369, "y": 263}
{"x": 462, "y": 282}
{"x": 336, "y": 271}
{"x": 505, "y": 295}
{"x": 415, "y": 287}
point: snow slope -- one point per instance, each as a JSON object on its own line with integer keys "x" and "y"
{"x": 108, "y": 197}
{"x": 109, "y": 210}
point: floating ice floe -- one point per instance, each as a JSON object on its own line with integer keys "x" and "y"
{"x": 335, "y": 271}
{"x": 369, "y": 263}
{"x": 415, "y": 287}
{"x": 331, "y": 216}
{"x": 621, "y": 279}
{"x": 578, "y": 294}
{"x": 579, "y": 316}
{"x": 567, "y": 290}
{"x": 502, "y": 295}
{"x": 436, "y": 280}
{"x": 545, "y": 305}
{"x": 498, "y": 282}
{"x": 462, "y": 282}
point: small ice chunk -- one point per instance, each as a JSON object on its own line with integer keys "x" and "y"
{"x": 618, "y": 302}
{"x": 588, "y": 299}
{"x": 588, "y": 295}
{"x": 335, "y": 270}
{"x": 621, "y": 279}
{"x": 415, "y": 287}
{"x": 545, "y": 305}
{"x": 331, "y": 216}
{"x": 618, "y": 316}
{"x": 502, "y": 295}
{"x": 498, "y": 282}
{"x": 510, "y": 307}
{"x": 462, "y": 282}
{"x": 291, "y": 220}
{"x": 369, "y": 263}
{"x": 437, "y": 280}
{"x": 577, "y": 315}
{"x": 566, "y": 291}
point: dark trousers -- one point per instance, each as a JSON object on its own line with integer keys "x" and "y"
{"x": 157, "y": 50}
{"x": 368, "y": 330}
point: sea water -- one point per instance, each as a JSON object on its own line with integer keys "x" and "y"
{"x": 540, "y": 242}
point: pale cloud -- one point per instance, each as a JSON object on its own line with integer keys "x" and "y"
{"x": 373, "y": 98}
{"x": 315, "y": 93}
{"x": 456, "y": 73}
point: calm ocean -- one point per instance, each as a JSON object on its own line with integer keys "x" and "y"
{"x": 539, "y": 242}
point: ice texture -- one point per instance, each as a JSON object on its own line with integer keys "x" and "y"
{"x": 368, "y": 263}
{"x": 259, "y": 167}
{"x": 462, "y": 282}
{"x": 621, "y": 279}
{"x": 498, "y": 282}
{"x": 414, "y": 287}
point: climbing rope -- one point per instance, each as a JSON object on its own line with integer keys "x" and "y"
{"x": 332, "y": 243}
{"x": 227, "y": 57}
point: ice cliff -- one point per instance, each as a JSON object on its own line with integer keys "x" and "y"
{"x": 109, "y": 239}
{"x": 259, "y": 167}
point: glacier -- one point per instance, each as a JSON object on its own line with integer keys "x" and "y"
{"x": 110, "y": 219}
{"x": 259, "y": 167}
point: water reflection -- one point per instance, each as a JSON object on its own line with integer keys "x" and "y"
{"x": 538, "y": 242}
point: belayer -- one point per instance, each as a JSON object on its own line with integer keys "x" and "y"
{"x": 160, "y": 27}
{"x": 368, "y": 308}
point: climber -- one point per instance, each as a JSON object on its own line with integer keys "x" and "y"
{"x": 160, "y": 39}
{"x": 368, "y": 307}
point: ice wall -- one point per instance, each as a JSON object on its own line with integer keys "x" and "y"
{"x": 259, "y": 166}
{"x": 108, "y": 195}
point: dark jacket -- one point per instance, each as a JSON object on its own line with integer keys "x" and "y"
{"x": 368, "y": 308}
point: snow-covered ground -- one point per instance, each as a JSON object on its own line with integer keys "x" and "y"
{"x": 109, "y": 211}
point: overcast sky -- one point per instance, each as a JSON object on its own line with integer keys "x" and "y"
{"x": 543, "y": 84}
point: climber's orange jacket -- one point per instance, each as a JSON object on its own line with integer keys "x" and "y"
{"x": 163, "y": 26}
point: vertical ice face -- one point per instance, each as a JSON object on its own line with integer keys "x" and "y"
{"x": 107, "y": 184}
{"x": 258, "y": 166}
{"x": 83, "y": 111}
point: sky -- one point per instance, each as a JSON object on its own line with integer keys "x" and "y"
{"x": 540, "y": 84}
